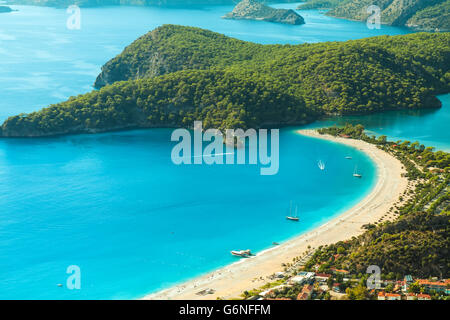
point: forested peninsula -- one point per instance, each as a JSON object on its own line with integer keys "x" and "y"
{"x": 175, "y": 75}
{"x": 425, "y": 15}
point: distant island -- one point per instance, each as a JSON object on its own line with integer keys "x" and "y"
{"x": 5, "y": 9}
{"x": 254, "y": 10}
{"x": 99, "y": 3}
{"x": 175, "y": 75}
{"x": 425, "y": 15}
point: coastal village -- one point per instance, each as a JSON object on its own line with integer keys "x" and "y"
{"x": 341, "y": 285}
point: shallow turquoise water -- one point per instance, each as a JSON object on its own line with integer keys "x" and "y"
{"x": 428, "y": 126}
{"x": 116, "y": 206}
{"x": 113, "y": 203}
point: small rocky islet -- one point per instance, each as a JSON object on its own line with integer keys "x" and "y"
{"x": 254, "y": 10}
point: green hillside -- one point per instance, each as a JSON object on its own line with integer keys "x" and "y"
{"x": 430, "y": 18}
{"x": 175, "y": 75}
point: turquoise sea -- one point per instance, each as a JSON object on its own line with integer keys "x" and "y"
{"x": 114, "y": 204}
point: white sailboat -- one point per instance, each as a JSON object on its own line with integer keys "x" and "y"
{"x": 321, "y": 165}
{"x": 295, "y": 216}
{"x": 356, "y": 174}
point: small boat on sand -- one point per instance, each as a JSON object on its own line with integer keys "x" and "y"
{"x": 241, "y": 253}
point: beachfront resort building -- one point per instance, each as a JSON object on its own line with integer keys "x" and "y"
{"x": 303, "y": 277}
{"x": 437, "y": 286}
{"x": 322, "y": 277}
{"x": 422, "y": 296}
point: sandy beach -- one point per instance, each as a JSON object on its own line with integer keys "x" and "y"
{"x": 230, "y": 281}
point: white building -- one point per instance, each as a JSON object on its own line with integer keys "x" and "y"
{"x": 302, "y": 277}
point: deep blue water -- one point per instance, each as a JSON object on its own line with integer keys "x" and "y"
{"x": 114, "y": 204}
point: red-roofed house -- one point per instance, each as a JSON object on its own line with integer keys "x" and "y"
{"x": 393, "y": 296}
{"x": 410, "y": 296}
{"x": 306, "y": 293}
{"x": 302, "y": 296}
{"x": 339, "y": 271}
{"x": 388, "y": 296}
{"x": 422, "y": 296}
{"x": 322, "y": 276}
{"x": 308, "y": 289}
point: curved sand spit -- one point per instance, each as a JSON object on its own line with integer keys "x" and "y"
{"x": 232, "y": 280}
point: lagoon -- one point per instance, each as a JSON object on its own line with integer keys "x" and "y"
{"x": 114, "y": 204}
